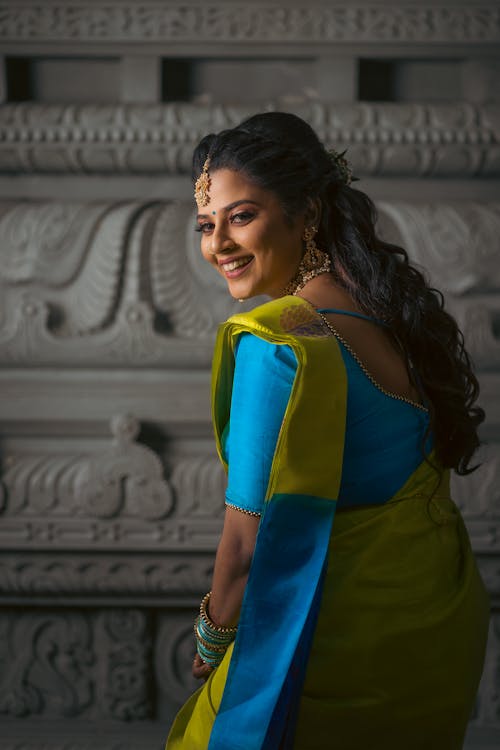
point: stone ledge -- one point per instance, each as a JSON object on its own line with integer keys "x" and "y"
{"x": 74, "y": 735}
{"x": 82, "y": 735}
{"x": 387, "y": 139}
{"x": 125, "y": 21}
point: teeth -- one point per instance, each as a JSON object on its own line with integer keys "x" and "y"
{"x": 235, "y": 264}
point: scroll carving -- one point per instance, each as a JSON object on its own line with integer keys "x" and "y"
{"x": 115, "y": 498}
{"x": 72, "y": 665}
{"x": 457, "y": 244}
{"x": 201, "y": 482}
{"x": 435, "y": 140}
{"x": 47, "y": 665}
{"x": 126, "y": 291}
{"x": 174, "y": 655}
{"x": 135, "y": 289}
{"x": 163, "y": 573}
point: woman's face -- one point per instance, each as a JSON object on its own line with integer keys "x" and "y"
{"x": 246, "y": 237}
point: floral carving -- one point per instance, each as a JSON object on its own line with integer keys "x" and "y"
{"x": 263, "y": 22}
{"x": 47, "y": 661}
{"x": 75, "y": 665}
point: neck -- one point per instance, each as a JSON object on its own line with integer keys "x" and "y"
{"x": 325, "y": 291}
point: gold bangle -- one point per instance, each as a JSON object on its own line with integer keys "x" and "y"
{"x": 209, "y": 622}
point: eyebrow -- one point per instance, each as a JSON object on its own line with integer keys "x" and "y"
{"x": 229, "y": 207}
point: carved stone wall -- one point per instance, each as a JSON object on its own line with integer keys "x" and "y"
{"x": 262, "y": 22}
{"x": 97, "y": 511}
{"x": 425, "y": 140}
{"x": 111, "y": 495}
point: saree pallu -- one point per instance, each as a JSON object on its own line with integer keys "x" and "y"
{"x": 367, "y": 632}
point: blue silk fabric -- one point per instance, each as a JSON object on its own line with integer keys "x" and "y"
{"x": 284, "y": 587}
{"x": 383, "y": 437}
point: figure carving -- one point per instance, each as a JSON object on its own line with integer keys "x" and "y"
{"x": 126, "y": 480}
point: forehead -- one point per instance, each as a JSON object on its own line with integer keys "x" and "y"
{"x": 227, "y": 186}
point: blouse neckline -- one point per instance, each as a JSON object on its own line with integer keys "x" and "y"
{"x": 350, "y": 312}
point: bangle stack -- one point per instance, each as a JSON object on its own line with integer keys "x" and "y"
{"x": 212, "y": 641}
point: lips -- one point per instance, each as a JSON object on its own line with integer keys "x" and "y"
{"x": 234, "y": 267}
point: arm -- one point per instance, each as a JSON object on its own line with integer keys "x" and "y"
{"x": 232, "y": 565}
{"x": 262, "y": 383}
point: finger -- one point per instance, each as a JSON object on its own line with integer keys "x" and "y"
{"x": 202, "y": 672}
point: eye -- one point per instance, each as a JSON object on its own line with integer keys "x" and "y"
{"x": 241, "y": 217}
{"x": 204, "y": 228}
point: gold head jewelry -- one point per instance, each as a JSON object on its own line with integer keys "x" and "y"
{"x": 202, "y": 186}
{"x": 314, "y": 262}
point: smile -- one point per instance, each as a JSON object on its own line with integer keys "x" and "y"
{"x": 235, "y": 268}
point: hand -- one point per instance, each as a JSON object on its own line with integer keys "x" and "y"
{"x": 201, "y": 670}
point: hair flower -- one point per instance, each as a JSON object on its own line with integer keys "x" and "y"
{"x": 341, "y": 167}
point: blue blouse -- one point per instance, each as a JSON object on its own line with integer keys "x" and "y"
{"x": 383, "y": 438}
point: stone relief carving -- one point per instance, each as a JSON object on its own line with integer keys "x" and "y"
{"x": 47, "y": 664}
{"x": 478, "y": 494}
{"x": 126, "y": 479}
{"x": 488, "y": 702}
{"x": 125, "y": 670}
{"x": 75, "y": 665}
{"x": 479, "y": 323}
{"x": 478, "y": 498}
{"x": 45, "y": 243}
{"x": 116, "y": 497}
{"x": 174, "y": 652}
{"x": 135, "y": 290}
{"x": 45, "y": 574}
{"x": 393, "y": 139}
{"x": 192, "y": 297}
{"x": 76, "y": 250}
{"x": 130, "y": 290}
{"x": 457, "y": 244}
{"x": 201, "y": 482}
{"x": 262, "y": 22}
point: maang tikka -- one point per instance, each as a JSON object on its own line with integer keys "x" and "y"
{"x": 202, "y": 186}
{"x": 314, "y": 263}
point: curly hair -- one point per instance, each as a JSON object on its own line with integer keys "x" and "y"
{"x": 281, "y": 153}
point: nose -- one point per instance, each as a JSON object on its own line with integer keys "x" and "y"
{"x": 220, "y": 242}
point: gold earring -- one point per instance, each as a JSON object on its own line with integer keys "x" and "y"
{"x": 314, "y": 263}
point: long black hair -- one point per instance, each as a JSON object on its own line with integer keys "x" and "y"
{"x": 280, "y": 152}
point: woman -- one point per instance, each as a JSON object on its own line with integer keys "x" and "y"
{"x": 349, "y": 394}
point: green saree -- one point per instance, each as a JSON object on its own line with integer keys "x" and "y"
{"x": 366, "y": 630}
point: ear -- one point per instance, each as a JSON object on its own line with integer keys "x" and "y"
{"x": 312, "y": 216}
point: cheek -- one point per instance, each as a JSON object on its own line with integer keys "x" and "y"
{"x": 204, "y": 247}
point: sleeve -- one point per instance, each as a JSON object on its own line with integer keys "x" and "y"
{"x": 263, "y": 379}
